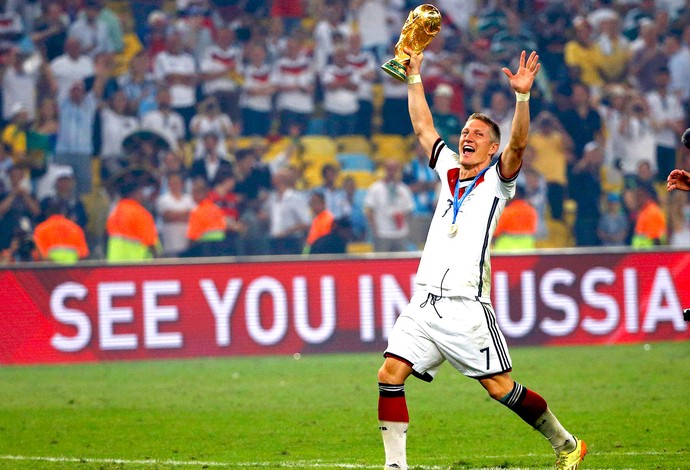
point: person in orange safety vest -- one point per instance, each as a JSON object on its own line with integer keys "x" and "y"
{"x": 58, "y": 239}
{"x": 132, "y": 232}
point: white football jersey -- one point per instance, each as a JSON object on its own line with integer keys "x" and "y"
{"x": 460, "y": 266}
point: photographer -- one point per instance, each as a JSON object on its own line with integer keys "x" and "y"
{"x": 16, "y": 204}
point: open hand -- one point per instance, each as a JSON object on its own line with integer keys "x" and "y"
{"x": 522, "y": 80}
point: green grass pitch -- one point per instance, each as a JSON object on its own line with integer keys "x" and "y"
{"x": 630, "y": 403}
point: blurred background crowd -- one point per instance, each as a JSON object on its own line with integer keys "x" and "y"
{"x": 182, "y": 128}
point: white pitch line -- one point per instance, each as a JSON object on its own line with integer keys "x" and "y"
{"x": 296, "y": 464}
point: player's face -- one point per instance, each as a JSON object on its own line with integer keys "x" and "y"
{"x": 475, "y": 143}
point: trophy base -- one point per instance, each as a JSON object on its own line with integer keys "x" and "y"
{"x": 395, "y": 69}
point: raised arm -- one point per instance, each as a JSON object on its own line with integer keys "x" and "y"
{"x": 420, "y": 114}
{"x": 521, "y": 83}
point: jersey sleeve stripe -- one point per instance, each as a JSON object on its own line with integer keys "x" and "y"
{"x": 435, "y": 152}
{"x": 504, "y": 179}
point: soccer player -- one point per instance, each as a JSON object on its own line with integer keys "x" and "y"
{"x": 450, "y": 316}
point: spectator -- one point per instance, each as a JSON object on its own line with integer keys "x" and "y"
{"x": 19, "y": 84}
{"x": 258, "y": 90}
{"x": 446, "y": 121}
{"x": 517, "y": 227}
{"x": 612, "y": 113}
{"x": 388, "y": 205}
{"x": 91, "y": 31}
{"x": 16, "y": 204}
{"x": 276, "y": 40}
{"x": 166, "y": 121}
{"x": 294, "y": 75}
{"x": 500, "y": 108}
{"x": 613, "y": 226}
{"x": 582, "y": 121}
{"x": 221, "y": 72}
{"x": 170, "y": 164}
{"x": 638, "y": 137}
{"x": 364, "y": 63}
{"x": 322, "y": 221}
{"x": 224, "y": 196}
{"x": 158, "y": 26}
{"x": 211, "y": 161}
{"x": 14, "y": 134}
{"x": 332, "y": 24}
{"x": 177, "y": 70}
{"x": 395, "y": 118}
{"x": 132, "y": 233}
{"x": 289, "y": 215}
{"x": 116, "y": 124}
{"x": 647, "y": 56}
{"x": 552, "y": 148}
{"x": 373, "y": 19}
{"x": 582, "y": 54}
{"x": 207, "y": 224}
{"x": 211, "y": 119}
{"x": 678, "y": 65}
{"x": 141, "y": 11}
{"x": 22, "y": 247}
{"x": 613, "y": 46}
{"x": 442, "y": 69}
{"x": 335, "y": 241}
{"x": 70, "y": 67}
{"x": 335, "y": 197}
{"x": 59, "y": 239}
{"x": 536, "y": 193}
{"x": 650, "y": 226}
{"x": 65, "y": 197}
{"x": 113, "y": 26}
{"x": 46, "y": 126}
{"x": 195, "y": 27}
{"x": 478, "y": 74}
{"x": 253, "y": 184}
{"x": 139, "y": 86}
{"x": 357, "y": 218}
{"x": 513, "y": 39}
{"x": 585, "y": 181}
{"x": 422, "y": 181}
{"x": 50, "y": 30}
{"x": 340, "y": 82}
{"x": 667, "y": 118}
{"x": 74, "y": 144}
{"x": 174, "y": 208}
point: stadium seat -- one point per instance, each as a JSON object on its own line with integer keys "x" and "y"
{"x": 355, "y": 161}
{"x": 318, "y": 148}
{"x": 391, "y": 147}
{"x": 353, "y": 144}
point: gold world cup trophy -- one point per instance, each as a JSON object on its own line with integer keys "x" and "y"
{"x": 422, "y": 25}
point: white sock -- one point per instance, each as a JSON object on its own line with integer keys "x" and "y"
{"x": 394, "y": 442}
{"x": 551, "y": 429}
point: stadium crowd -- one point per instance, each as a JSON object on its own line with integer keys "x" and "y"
{"x": 142, "y": 128}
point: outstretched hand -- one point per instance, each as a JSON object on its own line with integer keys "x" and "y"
{"x": 678, "y": 179}
{"x": 522, "y": 80}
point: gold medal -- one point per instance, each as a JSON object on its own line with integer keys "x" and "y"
{"x": 452, "y": 230}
